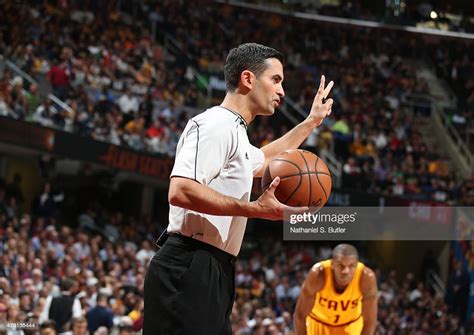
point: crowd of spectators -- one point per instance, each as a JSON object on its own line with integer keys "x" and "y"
{"x": 125, "y": 89}
{"x": 449, "y": 17}
{"x": 99, "y": 267}
{"x": 100, "y": 263}
{"x": 120, "y": 86}
{"x": 455, "y": 64}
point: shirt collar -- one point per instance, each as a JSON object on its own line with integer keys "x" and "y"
{"x": 240, "y": 118}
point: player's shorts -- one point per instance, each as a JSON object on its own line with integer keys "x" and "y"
{"x": 314, "y": 327}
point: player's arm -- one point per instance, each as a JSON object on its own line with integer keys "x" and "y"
{"x": 297, "y": 135}
{"x": 368, "y": 285}
{"x": 313, "y": 283}
{"x": 190, "y": 194}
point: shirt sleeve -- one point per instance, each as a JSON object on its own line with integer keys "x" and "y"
{"x": 258, "y": 159}
{"x": 76, "y": 309}
{"x": 45, "y": 312}
{"x": 203, "y": 151}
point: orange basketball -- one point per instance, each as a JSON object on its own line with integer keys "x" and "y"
{"x": 305, "y": 178}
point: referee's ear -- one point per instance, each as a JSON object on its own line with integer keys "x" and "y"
{"x": 246, "y": 79}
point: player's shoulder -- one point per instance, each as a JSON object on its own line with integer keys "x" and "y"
{"x": 317, "y": 270}
{"x": 316, "y": 277}
{"x": 319, "y": 266}
{"x": 368, "y": 272}
{"x": 368, "y": 279}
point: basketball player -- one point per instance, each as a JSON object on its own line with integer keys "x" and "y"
{"x": 338, "y": 297}
{"x": 189, "y": 287}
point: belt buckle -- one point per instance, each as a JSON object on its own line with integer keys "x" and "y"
{"x": 162, "y": 239}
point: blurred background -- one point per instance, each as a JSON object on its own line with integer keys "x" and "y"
{"x": 94, "y": 96}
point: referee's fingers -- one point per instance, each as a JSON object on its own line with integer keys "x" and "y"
{"x": 274, "y": 183}
{"x": 329, "y": 101}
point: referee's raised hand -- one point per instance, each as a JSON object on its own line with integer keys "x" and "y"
{"x": 322, "y": 106}
{"x": 268, "y": 207}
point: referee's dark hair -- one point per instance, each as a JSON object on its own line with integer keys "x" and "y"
{"x": 248, "y": 56}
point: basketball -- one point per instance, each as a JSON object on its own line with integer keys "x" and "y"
{"x": 304, "y": 178}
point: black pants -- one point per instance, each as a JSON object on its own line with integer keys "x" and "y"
{"x": 189, "y": 289}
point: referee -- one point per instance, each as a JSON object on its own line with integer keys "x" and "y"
{"x": 189, "y": 287}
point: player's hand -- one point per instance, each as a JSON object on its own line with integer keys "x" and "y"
{"x": 268, "y": 207}
{"x": 321, "y": 105}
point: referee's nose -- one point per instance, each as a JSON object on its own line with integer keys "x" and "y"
{"x": 280, "y": 91}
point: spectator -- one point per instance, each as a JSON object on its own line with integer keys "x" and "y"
{"x": 59, "y": 76}
{"x": 155, "y": 130}
{"x": 135, "y": 129}
{"x": 15, "y": 316}
{"x": 100, "y": 316}
{"x": 46, "y": 203}
{"x": 145, "y": 254}
{"x": 33, "y": 100}
{"x": 63, "y": 308}
{"x": 79, "y": 326}
{"x": 48, "y": 327}
{"x": 129, "y": 105}
{"x": 3, "y": 316}
{"x": 352, "y": 173}
{"x": 81, "y": 248}
{"x": 126, "y": 330}
{"x": 459, "y": 282}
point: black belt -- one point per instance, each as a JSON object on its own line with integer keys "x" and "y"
{"x": 193, "y": 244}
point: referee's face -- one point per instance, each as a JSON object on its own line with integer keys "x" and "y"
{"x": 268, "y": 91}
